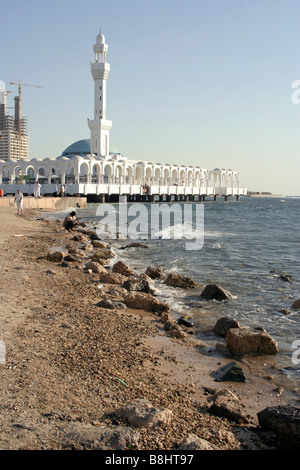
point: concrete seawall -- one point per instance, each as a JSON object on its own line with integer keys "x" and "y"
{"x": 47, "y": 203}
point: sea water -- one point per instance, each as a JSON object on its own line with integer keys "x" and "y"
{"x": 248, "y": 246}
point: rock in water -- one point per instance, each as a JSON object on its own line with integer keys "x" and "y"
{"x": 231, "y": 372}
{"x": 154, "y": 272}
{"x": 176, "y": 280}
{"x": 296, "y": 304}
{"x": 284, "y": 420}
{"x": 141, "y": 300}
{"x": 99, "y": 244}
{"x": 122, "y": 268}
{"x": 138, "y": 285}
{"x": 214, "y": 292}
{"x": 104, "y": 253}
{"x": 224, "y": 324}
{"x": 188, "y": 322}
{"x": 241, "y": 341}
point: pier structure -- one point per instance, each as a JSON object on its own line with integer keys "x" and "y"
{"x": 105, "y": 179}
{"x": 93, "y": 169}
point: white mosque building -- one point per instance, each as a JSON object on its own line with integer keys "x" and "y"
{"x": 91, "y": 168}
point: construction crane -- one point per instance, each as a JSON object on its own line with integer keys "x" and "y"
{"x": 19, "y": 107}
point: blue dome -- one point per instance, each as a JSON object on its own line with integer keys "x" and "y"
{"x": 82, "y": 147}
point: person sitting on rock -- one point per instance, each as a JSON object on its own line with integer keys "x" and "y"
{"x": 70, "y": 221}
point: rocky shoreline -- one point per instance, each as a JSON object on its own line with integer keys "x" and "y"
{"x": 94, "y": 360}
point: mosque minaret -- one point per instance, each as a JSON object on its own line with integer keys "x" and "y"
{"x": 100, "y": 126}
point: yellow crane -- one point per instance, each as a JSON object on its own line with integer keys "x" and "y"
{"x": 19, "y": 108}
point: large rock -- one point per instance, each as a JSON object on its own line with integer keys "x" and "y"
{"x": 154, "y": 272}
{"x": 184, "y": 282}
{"x": 96, "y": 267}
{"x": 231, "y": 372}
{"x": 227, "y": 405}
{"x": 102, "y": 261}
{"x": 88, "y": 247}
{"x": 138, "y": 285}
{"x": 185, "y": 321}
{"x": 214, "y": 292}
{"x": 98, "y": 244}
{"x": 80, "y": 238}
{"x": 111, "y": 304}
{"x": 57, "y": 256}
{"x": 113, "y": 278}
{"x": 133, "y": 245}
{"x": 174, "y": 331}
{"x": 78, "y": 436}
{"x": 284, "y": 420}
{"x": 296, "y": 304}
{"x": 142, "y": 414}
{"x": 75, "y": 251}
{"x": 72, "y": 258}
{"x": 224, "y": 324}
{"x": 121, "y": 268}
{"x": 242, "y": 341}
{"x": 147, "y": 302}
{"x": 105, "y": 253}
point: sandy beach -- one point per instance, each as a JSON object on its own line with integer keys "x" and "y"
{"x": 71, "y": 364}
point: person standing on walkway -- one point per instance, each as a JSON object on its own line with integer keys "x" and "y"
{"x": 19, "y": 200}
{"x": 37, "y": 190}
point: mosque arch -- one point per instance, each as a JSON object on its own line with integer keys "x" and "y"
{"x": 118, "y": 173}
{"x": 174, "y": 175}
{"x": 148, "y": 175}
{"x": 236, "y": 179}
{"x": 83, "y": 172}
{"x": 230, "y": 179}
{"x": 107, "y": 172}
{"x": 17, "y": 172}
{"x": 129, "y": 172}
{"x": 96, "y": 172}
{"x": 5, "y": 172}
{"x": 157, "y": 175}
{"x": 30, "y": 172}
{"x": 182, "y": 177}
{"x": 166, "y": 175}
{"x": 197, "y": 177}
{"x": 190, "y": 177}
{"x": 42, "y": 171}
{"x": 139, "y": 173}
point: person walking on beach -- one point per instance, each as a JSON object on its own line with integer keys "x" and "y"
{"x": 70, "y": 221}
{"x": 19, "y": 200}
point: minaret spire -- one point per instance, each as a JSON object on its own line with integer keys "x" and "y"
{"x": 100, "y": 126}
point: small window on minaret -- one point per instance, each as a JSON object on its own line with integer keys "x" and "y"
{"x": 100, "y": 98}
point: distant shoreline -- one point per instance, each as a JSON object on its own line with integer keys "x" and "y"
{"x": 269, "y": 195}
{"x": 265, "y": 195}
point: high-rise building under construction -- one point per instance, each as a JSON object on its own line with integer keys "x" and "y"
{"x": 13, "y": 131}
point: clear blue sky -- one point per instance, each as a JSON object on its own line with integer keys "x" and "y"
{"x": 197, "y": 82}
